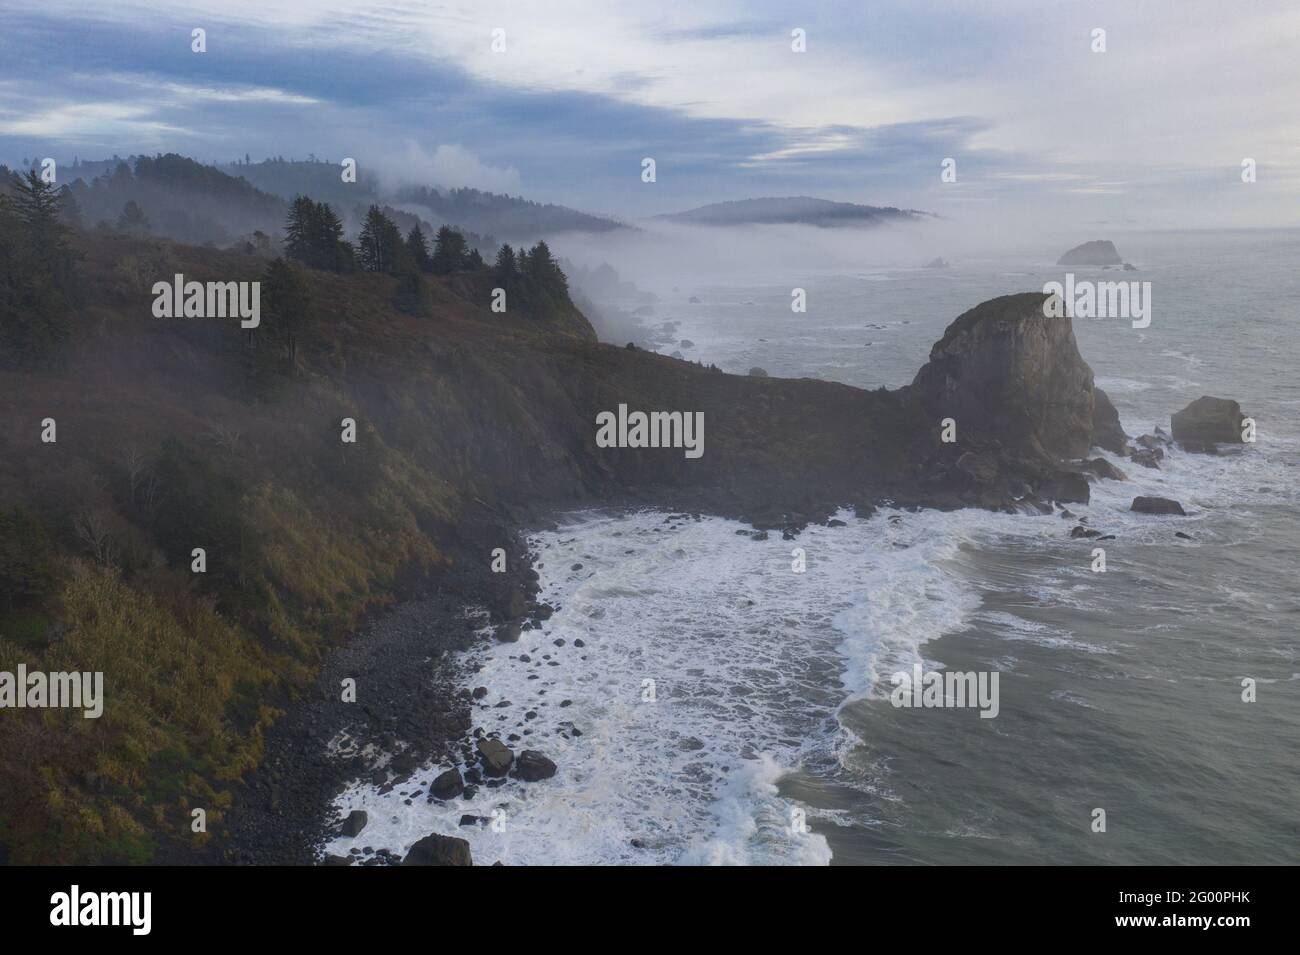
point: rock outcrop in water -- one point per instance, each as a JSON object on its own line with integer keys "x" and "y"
{"x": 1157, "y": 505}
{"x": 1006, "y": 370}
{"x": 1107, "y": 433}
{"x": 1094, "y": 254}
{"x": 1208, "y": 421}
{"x": 472, "y": 425}
{"x": 439, "y": 850}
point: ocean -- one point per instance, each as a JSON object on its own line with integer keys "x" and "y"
{"x": 707, "y": 704}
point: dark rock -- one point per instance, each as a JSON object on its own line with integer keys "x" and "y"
{"x": 336, "y": 860}
{"x": 1157, "y": 505}
{"x": 936, "y": 264}
{"x": 439, "y": 850}
{"x": 1080, "y": 531}
{"x": 1094, "y": 254}
{"x": 1148, "y": 457}
{"x": 1006, "y": 369}
{"x": 533, "y": 766}
{"x": 1104, "y": 469}
{"x": 980, "y": 466}
{"x": 1106, "y": 430}
{"x": 1183, "y": 536}
{"x": 1068, "y": 487}
{"x": 1209, "y": 421}
{"x": 447, "y": 785}
{"x": 495, "y": 757}
{"x": 510, "y": 632}
{"x": 354, "y": 823}
{"x": 479, "y": 692}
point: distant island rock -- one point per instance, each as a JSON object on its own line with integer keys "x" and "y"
{"x": 1095, "y": 254}
{"x": 801, "y": 210}
{"x": 936, "y": 264}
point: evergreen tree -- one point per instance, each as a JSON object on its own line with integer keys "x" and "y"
{"x": 287, "y": 308}
{"x": 419, "y": 248}
{"x": 36, "y": 272}
{"x": 36, "y": 203}
{"x": 449, "y": 250}
{"x": 380, "y": 242}
{"x": 411, "y": 296}
{"x": 299, "y": 234}
{"x": 506, "y": 266}
{"x": 133, "y": 221}
{"x": 333, "y": 253}
{"x": 545, "y": 271}
{"x": 313, "y": 235}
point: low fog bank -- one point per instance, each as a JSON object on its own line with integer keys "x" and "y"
{"x": 617, "y": 277}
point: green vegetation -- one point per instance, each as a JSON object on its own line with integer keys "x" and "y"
{"x": 174, "y": 436}
{"x": 36, "y": 270}
{"x": 313, "y": 235}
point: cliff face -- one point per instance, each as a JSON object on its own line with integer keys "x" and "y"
{"x": 1005, "y": 371}
{"x": 175, "y": 434}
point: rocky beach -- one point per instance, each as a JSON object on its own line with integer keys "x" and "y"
{"x": 1028, "y": 415}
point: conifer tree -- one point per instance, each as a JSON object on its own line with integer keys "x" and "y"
{"x": 419, "y": 248}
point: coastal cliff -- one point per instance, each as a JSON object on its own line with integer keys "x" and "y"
{"x": 470, "y": 426}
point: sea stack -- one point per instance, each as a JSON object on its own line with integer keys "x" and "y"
{"x": 1095, "y": 254}
{"x": 1005, "y": 369}
{"x": 1208, "y": 421}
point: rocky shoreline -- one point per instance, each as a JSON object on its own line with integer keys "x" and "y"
{"x": 1030, "y": 415}
{"x": 410, "y": 707}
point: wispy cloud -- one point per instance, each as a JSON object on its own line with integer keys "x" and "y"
{"x": 713, "y": 90}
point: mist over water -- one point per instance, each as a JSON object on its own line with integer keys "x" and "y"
{"x": 1119, "y": 691}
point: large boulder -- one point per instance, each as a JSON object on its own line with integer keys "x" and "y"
{"x": 532, "y": 766}
{"x": 1208, "y": 421}
{"x": 1094, "y": 254}
{"x": 447, "y": 785}
{"x": 495, "y": 757}
{"x": 1104, "y": 470}
{"x": 1148, "y": 457}
{"x": 1106, "y": 430}
{"x": 1157, "y": 505}
{"x": 439, "y": 850}
{"x": 354, "y": 823}
{"x": 1005, "y": 370}
{"x": 1068, "y": 487}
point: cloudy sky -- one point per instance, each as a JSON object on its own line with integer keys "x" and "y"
{"x": 1152, "y": 132}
